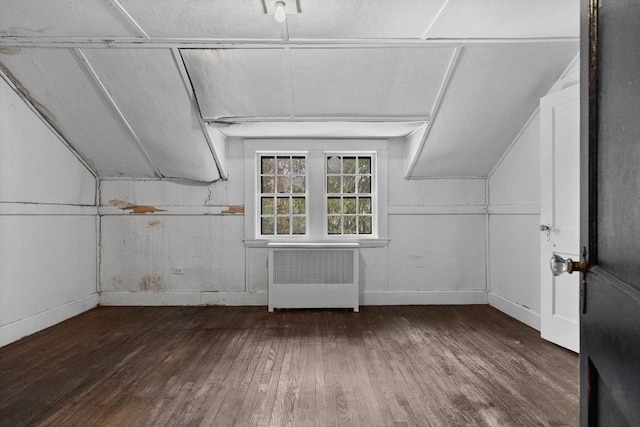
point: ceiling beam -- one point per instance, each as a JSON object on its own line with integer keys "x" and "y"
{"x": 183, "y": 73}
{"x": 105, "y": 93}
{"x": 195, "y": 43}
{"x": 316, "y": 130}
{"x": 453, "y": 62}
{"x": 289, "y": 80}
{"x": 127, "y": 16}
{"x": 369, "y": 119}
{"x": 427, "y": 32}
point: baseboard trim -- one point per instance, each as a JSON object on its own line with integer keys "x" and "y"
{"x": 261, "y": 298}
{"x": 424, "y": 298}
{"x": 183, "y": 298}
{"x": 517, "y": 311}
{"x": 37, "y": 322}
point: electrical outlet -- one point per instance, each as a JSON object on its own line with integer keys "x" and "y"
{"x": 177, "y": 270}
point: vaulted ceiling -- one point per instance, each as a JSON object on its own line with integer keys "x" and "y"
{"x": 149, "y": 88}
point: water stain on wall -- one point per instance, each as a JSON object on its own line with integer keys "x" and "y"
{"x": 8, "y": 50}
{"x": 44, "y": 111}
{"x": 117, "y": 284}
{"x": 135, "y": 209}
{"x": 152, "y": 283}
{"x": 153, "y": 223}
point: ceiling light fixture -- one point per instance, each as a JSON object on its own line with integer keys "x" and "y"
{"x": 279, "y": 12}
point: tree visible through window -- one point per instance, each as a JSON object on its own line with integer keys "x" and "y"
{"x": 349, "y": 194}
{"x": 283, "y": 195}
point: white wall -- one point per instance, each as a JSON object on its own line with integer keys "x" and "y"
{"x": 514, "y": 218}
{"x": 47, "y": 225}
{"x": 436, "y": 252}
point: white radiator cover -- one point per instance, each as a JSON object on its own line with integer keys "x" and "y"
{"x": 314, "y": 276}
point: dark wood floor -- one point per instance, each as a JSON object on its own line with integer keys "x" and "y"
{"x": 384, "y": 366}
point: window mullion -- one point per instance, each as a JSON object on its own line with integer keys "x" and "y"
{"x": 315, "y": 187}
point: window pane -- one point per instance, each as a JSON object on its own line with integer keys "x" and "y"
{"x": 283, "y": 206}
{"x": 349, "y": 184}
{"x": 349, "y": 224}
{"x": 334, "y": 205}
{"x": 364, "y": 164}
{"x": 267, "y": 225}
{"x": 348, "y": 165}
{"x": 333, "y": 184}
{"x": 299, "y": 225}
{"x": 334, "y": 225}
{"x": 298, "y": 205}
{"x": 364, "y": 205}
{"x": 283, "y": 166}
{"x": 364, "y": 184}
{"x": 364, "y": 224}
{"x": 283, "y": 225}
{"x": 268, "y": 165}
{"x": 284, "y": 184}
{"x": 298, "y": 166}
{"x": 267, "y": 206}
{"x": 298, "y": 184}
{"x": 267, "y": 184}
{"x": 349, "y": 205}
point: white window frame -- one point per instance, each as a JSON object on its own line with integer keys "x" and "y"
{"x": 374, "y": 194}
{"x": 258, "y": 194}
{"x": 315, "y": 152}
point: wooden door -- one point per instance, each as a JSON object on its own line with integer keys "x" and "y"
{"x": 610, "y": 213}
{"x": 560, "y": 214}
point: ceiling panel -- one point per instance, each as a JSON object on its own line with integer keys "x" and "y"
{"x": 375, "y": 82}
{"x": 147, "y": 87}
{"x": 492, "y": 93}
{"x": 239, "y": 82}
{"x": 62, "y": 18}
{"x": 363, "y": 19}
{"x": 230, "y": 19}
{"x": 512, "y": 18}
{"x": 59, "y": 87}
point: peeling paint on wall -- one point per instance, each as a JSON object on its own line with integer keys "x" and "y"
{"x": 152, "y": 283}
{"x": 234, "y": 209}
{"x": 135, "y": 209}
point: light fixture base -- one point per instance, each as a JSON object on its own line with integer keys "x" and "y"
{"x": 291, "y": 7}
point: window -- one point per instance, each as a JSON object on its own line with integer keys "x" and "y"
{"x": 283, "y": 195}
{"x": 316, "y": 191}
{"x": 349, "y": 195}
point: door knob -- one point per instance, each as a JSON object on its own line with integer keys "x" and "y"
{"x": 560, "y": 265}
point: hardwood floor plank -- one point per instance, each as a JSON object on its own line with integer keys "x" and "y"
{"x": 225, "y": 366}
{"x": 269, "y": 380}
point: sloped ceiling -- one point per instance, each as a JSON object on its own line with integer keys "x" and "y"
{"x": 147, "y": 88}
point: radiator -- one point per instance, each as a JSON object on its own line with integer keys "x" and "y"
{"x": 314, "y": 276}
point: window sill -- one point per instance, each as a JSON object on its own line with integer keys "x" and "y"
{"x": 361, "y": 243}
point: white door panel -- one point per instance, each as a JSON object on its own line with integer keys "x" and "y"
{"x": 560, "y": 211}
